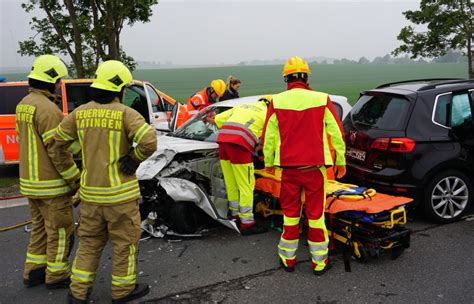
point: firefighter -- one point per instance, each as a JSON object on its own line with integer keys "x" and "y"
{"x": 296, "y": 128}
{"x": 109, "y": 191}
{"x": 49, "y": 192}
{"x": 238, "y": 137}
{"x": 206, "y": 96}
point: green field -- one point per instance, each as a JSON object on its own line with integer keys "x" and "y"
{"x": 346, "y": 80}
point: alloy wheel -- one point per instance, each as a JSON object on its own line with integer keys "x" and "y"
{"x": 449, "y": 197}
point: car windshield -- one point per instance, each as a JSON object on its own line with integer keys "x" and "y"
{"x": 201, "y": 126}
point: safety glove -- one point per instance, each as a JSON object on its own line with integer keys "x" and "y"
{"x": 128, "y": 165}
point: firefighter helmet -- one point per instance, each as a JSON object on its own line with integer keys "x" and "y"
{"x": 48, "y": 68}
{"x": 112, "y": 75}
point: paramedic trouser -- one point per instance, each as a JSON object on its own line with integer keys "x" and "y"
{"x": 121, "y": 224}
{"x": 237, "y": 167}
{"x": 51, "y": 228}
{"x": 310, "y": 181}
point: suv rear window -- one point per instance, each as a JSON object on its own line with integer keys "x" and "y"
{"x": 10, "y": 96}
{"x": 386, "y": 112}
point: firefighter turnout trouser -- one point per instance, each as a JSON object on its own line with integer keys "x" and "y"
{"x": 237, "y": 167}
{"x": 121, "y": 224}
{"x": 51, "y": 229}
{"x": 294, "y": 182}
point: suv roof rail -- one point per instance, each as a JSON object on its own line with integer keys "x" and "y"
{"x": 418, "y": 80}
{"x": 454, "y": 81}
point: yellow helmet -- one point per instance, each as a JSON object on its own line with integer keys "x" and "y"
{"x": 267, "y": 99}
{"x": 295, "y": 65}
{"x": 111, "y": 75}
{"x": 48, "y": 68}
{"x": 219, "y": 86}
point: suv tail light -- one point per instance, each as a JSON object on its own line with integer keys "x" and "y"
{"x": 402, "y": 145}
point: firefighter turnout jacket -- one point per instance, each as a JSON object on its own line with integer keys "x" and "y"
{"x": 282, "y": 148}
{"x": 37, "y": 118}
{"x": 106, "y": 133}
{"x": 242, "y": 125}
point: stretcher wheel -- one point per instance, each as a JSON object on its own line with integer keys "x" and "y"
{"x": 364, "y": 254}
{"x": 396, "y": 252}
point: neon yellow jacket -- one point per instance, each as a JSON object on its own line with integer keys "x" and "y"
{"x": 297, "y": 125}
{"x": 242, "y": 125}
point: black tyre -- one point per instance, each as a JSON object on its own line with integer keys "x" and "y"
{"x": 184, "y": 217}
{"x": 447, "y": 196}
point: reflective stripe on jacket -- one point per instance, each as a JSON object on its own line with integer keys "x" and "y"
{"x": 36, "y": 120}
{"x": 297, "y": 125}
{"x": 198, "y": 101}
{"x": 106, "y": 133}
{"x": 242, "y": 125}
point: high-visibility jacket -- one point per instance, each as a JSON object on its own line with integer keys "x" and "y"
{"x": 106, "y": 133}
{"x": 198, "y": 101}
{"x": 36, "y": 120}
{"x": 298, "y": 121}
{"x": 242, "y": 125}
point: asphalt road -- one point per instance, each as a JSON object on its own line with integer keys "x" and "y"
{"x": 225, "y": 267}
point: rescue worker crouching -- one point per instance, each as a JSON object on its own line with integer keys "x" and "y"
{"x": 109, "y": 191}
{"x": 206, "y": 96}
{"x": 239, "y": 131}
{"x": 295, "y": 134}
{"x": 49, "y": 191}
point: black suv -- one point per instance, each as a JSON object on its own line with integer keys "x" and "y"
{"x": 416, "y": 138}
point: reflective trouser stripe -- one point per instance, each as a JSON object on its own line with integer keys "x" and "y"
{"x": 39, "y": 259}
{"x": 131, "y": 260}
{"x": 290, "y": 221}
{"x": 61, "y": 244}
{"x": 114, "y": 145}
{"x": 319, "y": 250}
{"x": 234, "y": 207}
{"x": 32, "y": 154}
{"x": 287, "y": 248}
{"x": 57, "y": 267}
{"x": 124, "y": 281}
{"x": 246, "y": 214}
{"x": 82, "y": 275}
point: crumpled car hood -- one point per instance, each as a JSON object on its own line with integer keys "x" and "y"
{"x": 168, "y": 147}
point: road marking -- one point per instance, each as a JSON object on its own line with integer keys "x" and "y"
{"x": 23, "y": 201}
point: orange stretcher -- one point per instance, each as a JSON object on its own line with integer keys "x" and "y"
{"x": 367, "y": 222}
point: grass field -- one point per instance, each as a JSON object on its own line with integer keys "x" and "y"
{"x": 346, "y": 80}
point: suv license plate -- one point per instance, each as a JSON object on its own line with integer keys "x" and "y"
{"x": 355, "y": 154}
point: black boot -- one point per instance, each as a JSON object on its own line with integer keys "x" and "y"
{"x": 72, "y": 300}
{"x": 255, "y": 229}
{"x": 140, "y": 290}
{"x": 35, "y": 277}
{"x": 59, "y": 284}
{"x": 286, "y": 268}
{"x": 321, "y": 272}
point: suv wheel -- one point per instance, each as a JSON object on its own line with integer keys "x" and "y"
{"x": 448, "y": 196}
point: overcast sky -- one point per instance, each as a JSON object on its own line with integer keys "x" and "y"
{"x": 228, "y": 31}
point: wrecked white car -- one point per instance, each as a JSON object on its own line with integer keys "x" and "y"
{"x": 182, "y": 184}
